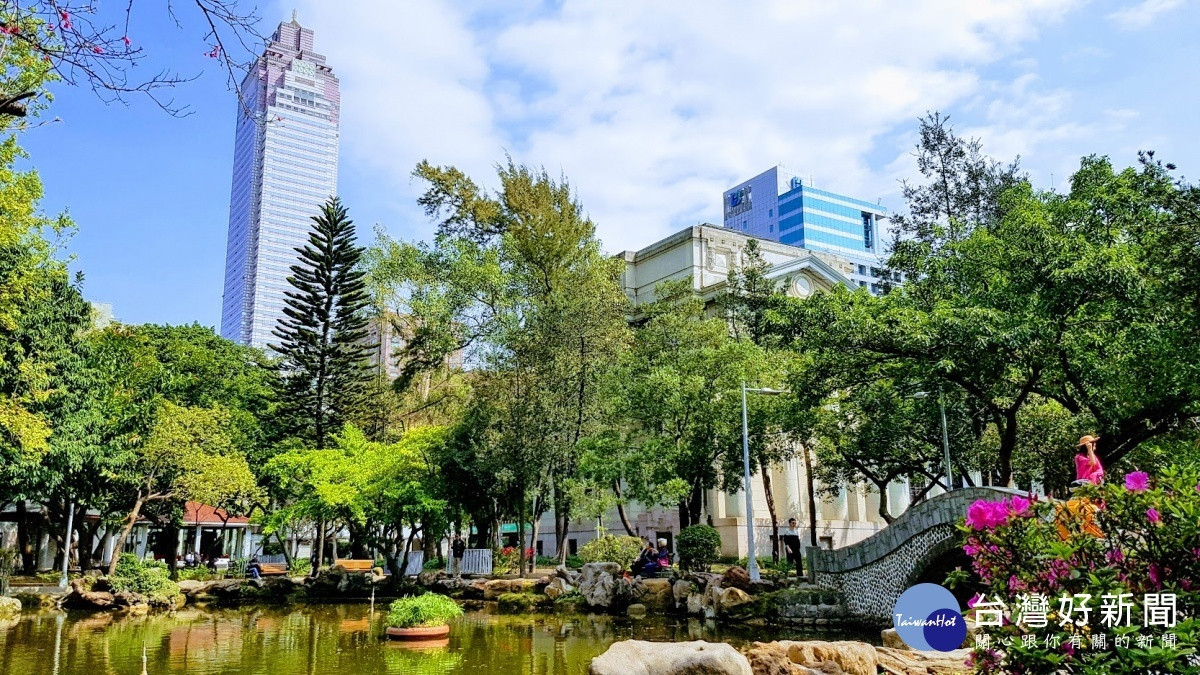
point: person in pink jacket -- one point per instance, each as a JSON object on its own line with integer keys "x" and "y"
{"x": 1087, "y": 465}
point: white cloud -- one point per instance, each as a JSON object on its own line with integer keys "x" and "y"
{"x": 1142, "y": 14}
{"x": 652, "y": 109}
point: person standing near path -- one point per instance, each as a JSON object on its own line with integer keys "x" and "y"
{"x": 791, "y": 545}
{"x": 457, "y": 549}
{"x": 1087, "y": 465}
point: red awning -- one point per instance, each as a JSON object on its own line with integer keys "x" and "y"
{"x": 195, "y": 513}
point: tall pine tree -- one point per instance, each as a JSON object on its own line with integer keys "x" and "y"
{"x": 324, "y": 338}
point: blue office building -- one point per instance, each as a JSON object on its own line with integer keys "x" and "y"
{"x": 778, "y": 205}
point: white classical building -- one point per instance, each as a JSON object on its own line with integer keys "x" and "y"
{"x": 706, "y": 254}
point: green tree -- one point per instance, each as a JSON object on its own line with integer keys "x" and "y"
{"x": 1012, "y": 297}
{"x": 188, "y": 456}
{"x": 323, "y": 339}
{"x": 515, "y": 281}
{"x": 680, "y": 391}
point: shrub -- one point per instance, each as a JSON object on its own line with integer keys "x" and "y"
{"x": 698, "y": 547}
{"x": 1116, "y": 539}
{"x": 432, "y": 565}
{"x": 149, "y": 578}
{"x": 574, "y": 562}
{"x": 611, "y": 548}
{"x": 237, "y": 567}
{"x": 506, "y": 559}
{"x": 546, "y": 561}
{"x": 519, "y": 602}
{"x": 196, "y": 574}
{"x": 429, "y": 609}
{"x": 300, "y": 567}
{"x": 8, "y": 565}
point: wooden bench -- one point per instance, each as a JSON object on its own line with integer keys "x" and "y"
{"x": 272, "y": 569}
{"x": 355, "y": 565}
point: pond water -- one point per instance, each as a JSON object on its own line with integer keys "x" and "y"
{"x": 343, "y": 638}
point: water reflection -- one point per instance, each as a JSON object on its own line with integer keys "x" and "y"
{"x": 328, "y": 638}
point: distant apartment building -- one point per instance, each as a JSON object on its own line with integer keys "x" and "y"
{"x": 778, "y": 205}
{"x": 284, "y": 168}
{"x": 387, "y": 335}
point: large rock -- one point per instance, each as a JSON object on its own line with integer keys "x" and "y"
{"x": 695, "y": 604}
{"x": 771, "y": 658}
{"x": 596, "y": 583}
{"x": 655, "y": 594}
{"x": 912, "y": 662}
{"x": 128, "y": 599}
{"x": 9, "y": 607}
{"x": 736, "y": 577}
{"x": 635, "y": 657}
{"x": 892, "y": 639}
{"x": 854, "y": 658}
{"x": 88, "y": 600}
{"x": 731, "y": 598}
{"x": 681, "y": 590}
{"x": 558, "y": 587}
{"x": 494, "y": 588}
{"x": 567, "y": 574}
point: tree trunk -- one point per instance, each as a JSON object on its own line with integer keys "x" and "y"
{"x": 358, "y": 549}
{"x": 685, "y": 516}
{"x": 1008, "y": 441}
{"x": 812, "y": 498}
{"x": 766, "y": 480}
{"x": 25, "y": 540}
{"x": 432, "y": 543}
{"x": 694, "y": 502}
{"x": 320, "y": 547}
{"x": 884, "y": 511}
{"x": 533, "y": 537}
{"x": 287, "y": 555}
{"x": 170, "y": 550}
{"x": 126, "y": 528}
{"x": 621, "y": 510}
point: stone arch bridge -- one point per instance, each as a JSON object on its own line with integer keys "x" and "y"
{"x": 921, "y": 545}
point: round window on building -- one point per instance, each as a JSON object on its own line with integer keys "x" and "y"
{"x": 801, "y": 286}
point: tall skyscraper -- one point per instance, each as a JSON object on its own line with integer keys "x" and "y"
{"x": 284, "y": 167}
{"x": 778, "y": 205}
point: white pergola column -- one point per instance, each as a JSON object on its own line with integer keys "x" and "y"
{"x": 196, "y": 543}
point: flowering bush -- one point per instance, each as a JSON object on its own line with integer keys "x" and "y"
{"x": 508, "y": 558}
{"x": 1085, "y": 585}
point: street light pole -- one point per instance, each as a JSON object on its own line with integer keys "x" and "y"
{"x": 945, "y": 443}
{"x": 752, "y": 565}
{"x": 945, "y": 435}
{"x": 62, "y": 580}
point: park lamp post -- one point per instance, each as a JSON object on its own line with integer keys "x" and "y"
{"x": 752, "y": 565}
{"x": 945, "y": 436}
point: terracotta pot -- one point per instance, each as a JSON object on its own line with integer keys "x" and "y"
{"x": 419, "y": 632}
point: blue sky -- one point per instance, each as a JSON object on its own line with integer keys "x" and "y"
{"x": 650, "y": 110}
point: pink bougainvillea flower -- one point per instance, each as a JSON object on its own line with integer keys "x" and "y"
{"x": 1154, "y": 574}
{"x": 1138, "y": 481}
{"x": 125, "y": 39}
{"x": 97, "y": 49}
{"x": 1152, "y": 516}
{"x": 1019, "y": 505}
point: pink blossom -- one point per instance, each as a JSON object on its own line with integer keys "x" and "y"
{"x": 1154, "y": 574}
{"x": 125, "y": 39}
{"x": 1115, "y": 557}
{"x": 984, "y": 515}
{"x": 1153, "y": 517}
{"x": 97, "y": 49}
{"x": 1019, "y": 505}
{"x": 1197, "y": 487}
{"x": 1138, "y": 481}
{"x": 1015, "y": 584}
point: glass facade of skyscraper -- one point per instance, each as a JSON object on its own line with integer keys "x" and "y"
{"x": 778, "y": 205}
{"x": 284, "y": 168}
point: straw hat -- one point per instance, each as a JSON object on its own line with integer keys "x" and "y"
{"x": 1088, "y": 439}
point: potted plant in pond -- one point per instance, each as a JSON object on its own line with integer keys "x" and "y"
{"x": 421, "y": 617}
